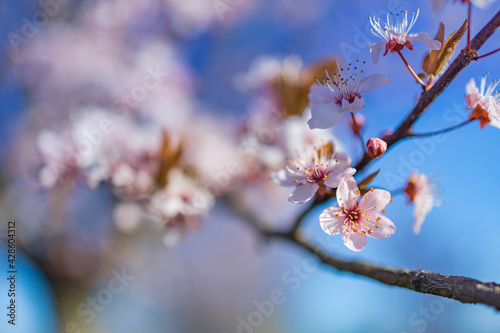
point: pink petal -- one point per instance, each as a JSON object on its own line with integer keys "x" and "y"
{"x": 423, "y": 205}
{"x": 423, "y": 37}
{"x": 337, "y": 170}
{"x": 472, "y": 96}
{"x": 374, "y": 201}
{"x": 386, "y": 227}
{"x": 375, "y": 50}
{"x": 355, "y": 106}
{"x": 325, "y": 115}
{"x": 354, "y": 240}
{"x": 347, "y": 189}
{"x": 284, "y": 178}
{"x": 436, "y": 5}
{"x": 372, "y": 82}
{"x": 330, "y": 223}
{"x": 303, "y": 193}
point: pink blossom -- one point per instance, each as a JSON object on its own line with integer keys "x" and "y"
{"x": 436, "y": 5}
{"x": 357, "y": 216}
{"x": 396, "y": 35}
{"x": 312, "y": 172}
{"x": 330, "y": 100}
{"x": 376, "y": 147}
{"x": 485, "y": 102}
{"x": 423, "y": 194}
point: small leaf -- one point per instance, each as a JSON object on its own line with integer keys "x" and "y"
{"x": 448, "y": 47}
{"x": 365, "y": 182}
{"x": 429, "y": 62}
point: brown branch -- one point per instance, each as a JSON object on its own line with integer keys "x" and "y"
{"x": 427, "y": 97}
{"x": 462, "y": 289}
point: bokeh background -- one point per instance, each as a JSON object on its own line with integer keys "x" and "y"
{"x": 70, "y": 243}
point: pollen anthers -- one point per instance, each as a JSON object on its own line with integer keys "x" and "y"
{"x": 393, "y": 30}
{"x": 343, "y": 78}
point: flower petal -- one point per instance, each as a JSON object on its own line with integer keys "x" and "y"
{"x": 423, "y": 37}
{"x": 472, "y": 96}
{"x": 330, "y": 223}
{"x": 385, "y": 229}
{"x": 372, "y": 82}
{"x": 355, "y": 106}
{"x": 337, "y": 170}
{"x": 303, "y": 193}
{"x": 284, "y": 178}
{"x": 423, "y": 205}
{"x": 375, "y": 50}
{"x": 436, "y": 5}
{"x": 374, "y": 201}
{"x": 325, "y": 115}
{"x": 347, "y": 189}
{"x": 354, "y": 240}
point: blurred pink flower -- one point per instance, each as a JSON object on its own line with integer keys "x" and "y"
{"x": 357, "y": 217}
{"x": 423, "y": 195}
{"x": 396, "y": 35}
{"x": 330, "y": 100}
{"x": 484, "y": 102}
{"x": 311, "y": 173}
{"x": 436, "y": 5}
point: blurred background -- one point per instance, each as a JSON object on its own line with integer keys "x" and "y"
{"x": 125, "y": 126}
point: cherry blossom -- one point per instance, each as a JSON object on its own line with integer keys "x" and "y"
{"x": 436, "y": 5}
{"x": 422, "y": 193}
{"x": 332, "y": 98}
{"x": 396, "y": 35}
{"x": 319, "y": 167}
{"x": 485, "y": 102}
{"x": 356, "y": 215}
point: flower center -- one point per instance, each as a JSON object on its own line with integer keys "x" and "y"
{"x": 317, "y": 174}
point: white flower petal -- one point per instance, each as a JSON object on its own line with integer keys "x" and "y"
{"x": 303, "y": 193}
{"x": 325, "y": 115}
{"x": 372, "y": 82}
{"x": 374, "y": 201}
{"x": 347, "y": 190}
{"x": 386, "y": 227}
{"x": 423, "y": 37}
{"x": 330, "y": 223}
{"x": 355, "y": 106}
{"x": 375, "y": 50}
{"x": 284, "y": 178}
{"x": 354, "y": 240}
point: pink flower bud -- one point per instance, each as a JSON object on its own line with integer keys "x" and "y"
{"x": 376, "y": 147}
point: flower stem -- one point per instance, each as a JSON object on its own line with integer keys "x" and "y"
{"x": 358, "y": 134}
{"x": 487, "y": 54}
{"x": 419, "y": 80}
{"x": 468, "y": 26}
{"x": 440, "y": 131}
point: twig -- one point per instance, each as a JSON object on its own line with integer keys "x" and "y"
{"x": 420, "y": 135}
{"x": 427, "y": 97}
{"x": 463, "y": 289}
{"x": 412, "y": 72}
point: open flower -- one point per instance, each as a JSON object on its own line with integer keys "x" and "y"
{"x": 436, "y": 5}
{"x": 330, "y": 100}
{"x": 315, "y": 171}
{"x": 422, "y": 193}
{"x": 485, "y": 103}
{"x": 357, "y": 216}
{"x": 397, "y": 35}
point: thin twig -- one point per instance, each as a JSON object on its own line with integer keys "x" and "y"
{"x": 420, "y": 135}
{"x": 427, "y": 97}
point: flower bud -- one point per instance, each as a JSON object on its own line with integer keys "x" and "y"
{"x": 376, "y": 147}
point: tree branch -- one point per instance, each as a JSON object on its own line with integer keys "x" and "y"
{"x": 427, "y": 97}
{"x": 462, "y": 289}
